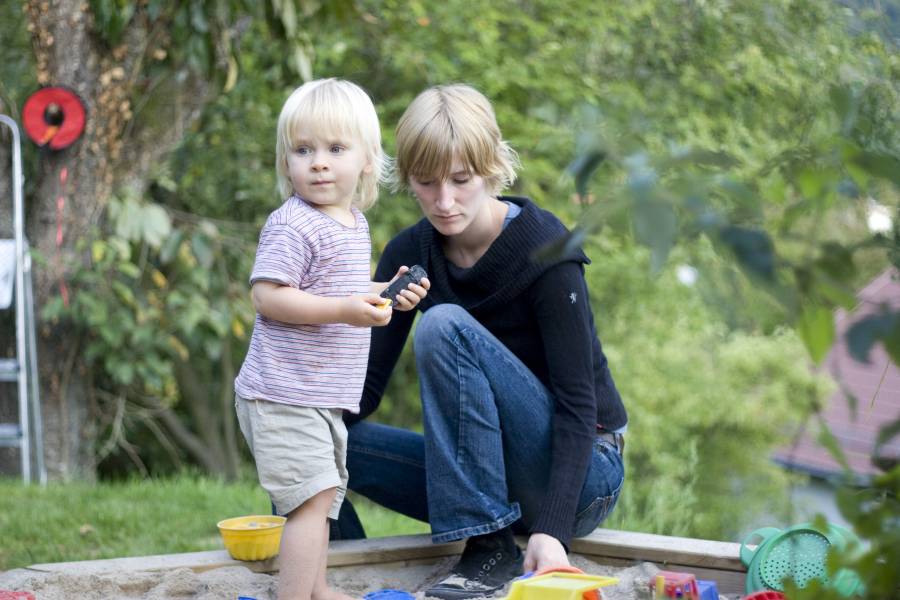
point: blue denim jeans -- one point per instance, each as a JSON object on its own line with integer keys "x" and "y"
{"x": 484, "y": 461}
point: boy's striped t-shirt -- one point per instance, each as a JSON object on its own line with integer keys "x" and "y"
{"x": 309, "y": 365}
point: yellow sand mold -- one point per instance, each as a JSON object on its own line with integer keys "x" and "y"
{"x": 254, "y": 537}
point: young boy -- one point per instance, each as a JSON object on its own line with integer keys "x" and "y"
{"x": 312, "y": 290}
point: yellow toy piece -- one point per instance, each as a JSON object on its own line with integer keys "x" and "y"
{"x": 385, "y": 303}
{"x": 559, "y": 586}
{"x": 255, "y": 537}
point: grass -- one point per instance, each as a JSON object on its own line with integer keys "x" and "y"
{"x": 81, "y": 521}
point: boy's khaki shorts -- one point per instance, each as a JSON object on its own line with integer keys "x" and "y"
{"x": 299, "y": 451}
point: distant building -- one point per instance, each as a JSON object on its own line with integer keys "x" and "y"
{"x": 876, "y": 387}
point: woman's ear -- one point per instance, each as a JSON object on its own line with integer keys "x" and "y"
{"x": 368, "y": 169}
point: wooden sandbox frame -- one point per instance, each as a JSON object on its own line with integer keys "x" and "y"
{"x": 717, "y": 561}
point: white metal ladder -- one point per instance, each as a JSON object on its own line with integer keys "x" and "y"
{"x": 15, "y": 273}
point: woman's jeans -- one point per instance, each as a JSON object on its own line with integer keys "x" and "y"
{"x": 484, "y": 461}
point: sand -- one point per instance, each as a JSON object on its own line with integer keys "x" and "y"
{"x": 228, "y": 583}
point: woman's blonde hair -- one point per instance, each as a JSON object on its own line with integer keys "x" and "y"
{"x": 447, "y": 123}
{"x": 326, "y": 108}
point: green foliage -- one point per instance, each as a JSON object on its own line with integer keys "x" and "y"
{"x": 706, "y": 405}
{"x": 159, "y": 313}
{"x": 807, "y": 272}
{"x": 111, "y": 17}
{"x": 772, "y": 218}
{"x": 16, "y": 66}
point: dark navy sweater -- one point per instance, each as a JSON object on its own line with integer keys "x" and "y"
{"x": 540, "y": 311}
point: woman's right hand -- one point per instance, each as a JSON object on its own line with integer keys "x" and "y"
{"x": 543, "y": 552}
{"x": 365, "y": 310}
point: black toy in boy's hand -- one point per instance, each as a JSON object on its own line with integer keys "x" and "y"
{"x": 415, "y": 275}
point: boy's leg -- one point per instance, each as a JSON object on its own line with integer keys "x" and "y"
{"x": 304, "y": 549}
{"x": 321, "y": 591}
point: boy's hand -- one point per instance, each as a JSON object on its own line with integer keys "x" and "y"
{"x": 409, "y": 298}
{"x": 365, "y": 310}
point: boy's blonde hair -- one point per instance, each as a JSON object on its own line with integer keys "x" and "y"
{"x": 447, "y": 123}
{"x": 332, "y": 107}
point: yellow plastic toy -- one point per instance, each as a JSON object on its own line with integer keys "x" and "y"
{"x": 255, "y": 537}
{"x": 560, "y": 584}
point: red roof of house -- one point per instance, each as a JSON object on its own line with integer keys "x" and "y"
{"x": 875, "y": 385}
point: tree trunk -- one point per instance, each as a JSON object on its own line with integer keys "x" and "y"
{"x": 116, "y": 148}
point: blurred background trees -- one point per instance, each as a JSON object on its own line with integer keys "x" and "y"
{"x": 692, "y": 132}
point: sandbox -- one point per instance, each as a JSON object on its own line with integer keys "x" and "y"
{"x": 357, "y": 567}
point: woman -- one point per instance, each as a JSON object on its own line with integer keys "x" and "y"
{"x": 522, "y": 419}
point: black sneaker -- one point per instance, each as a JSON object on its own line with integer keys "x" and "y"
{"x": 484, "y": 568}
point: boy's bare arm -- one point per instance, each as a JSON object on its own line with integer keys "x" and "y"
{"x": 290, "y": 305}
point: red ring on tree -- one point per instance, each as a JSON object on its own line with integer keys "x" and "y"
{"x": 53, "y": 107}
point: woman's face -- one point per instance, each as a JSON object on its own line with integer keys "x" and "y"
{"x": 452, "y": 205}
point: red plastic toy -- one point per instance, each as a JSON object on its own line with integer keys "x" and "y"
{"x": 7, "y": 595}
{"x": 675, "y": 585}
{"x": 765, "y": 595}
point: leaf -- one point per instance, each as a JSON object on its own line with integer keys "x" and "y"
{"x": 98, "y": 250}
{"x": 303, "y": 62}
{"x": 879, "y": 164}
{"x": 53, "y": 309}
{"x": 125, "y": 293}
{"x": 123, "y": 371}
{"x": 129, "y": 270}
{"x": 699, "y": 156}
{"x": 816, "y": 329}
{"x": 232, "y": 76}
{"x": 863, "y": 334}
{"x": 841, "y": 100}
{"x": 213, "y": 347}
{"x": 154, "y": 8}
{"x": 179, "y": 347}
{"x": 837, "y": 261}
{"x": 886, "y": 434}
{"x": 835, "y": 293}
{"x": 809, "y": 183}
{"x": 288, "y": 16}
{"x": 753, "y": 248}
{"x": 827, "y": 439}
{"x": 198, "y": 17}
{"x": 169, "y": 247}
{"x": 127, "y": 215}
{"x": 892, "y": 341}
{"x": 158, "y": 278}
{"x": 237, "y": 329}
{"x": 655, "y": 226}
{"x": 202, "y": 250}
{"x": 583, "y": 167}
{"x": 562, "y": 247}
{"x": 156, "y": 224}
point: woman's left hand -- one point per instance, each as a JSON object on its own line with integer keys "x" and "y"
{"x": 409, "y": 298}
{"x": 544, "y": 551}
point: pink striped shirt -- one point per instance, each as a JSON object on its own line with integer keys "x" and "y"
{"x": 309, "y": 365}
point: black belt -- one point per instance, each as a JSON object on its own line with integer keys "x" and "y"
{"x": 616, "y": 439}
